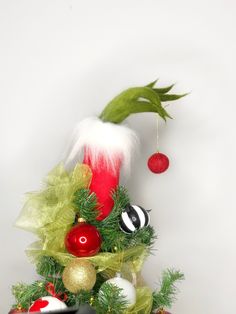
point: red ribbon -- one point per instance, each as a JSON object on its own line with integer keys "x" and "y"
{"x": 50, "y": 288}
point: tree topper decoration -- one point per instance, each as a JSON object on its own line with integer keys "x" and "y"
{"x": 108, "y": 146}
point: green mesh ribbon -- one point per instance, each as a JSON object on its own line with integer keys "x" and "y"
{"x": 103, "y": 261}
{"x": 109, "y": 263}
{"x": 143, "y": 303}
{"x": 50, "y": 212}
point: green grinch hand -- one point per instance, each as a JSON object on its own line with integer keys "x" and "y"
{"x": 137, "y": 100}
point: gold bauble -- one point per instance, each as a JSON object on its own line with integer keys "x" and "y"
{"x": 78, "y": 275}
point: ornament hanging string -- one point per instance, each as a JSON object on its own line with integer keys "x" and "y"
{"x": 50, "y": 288}
{"x": 157, "y": 134}
{"x": 158, "y": 162}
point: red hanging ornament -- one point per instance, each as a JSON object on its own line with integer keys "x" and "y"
{"x": 158, "y": 163}
{"x": 83, "y": 240}
{"x": 162, "y": 312}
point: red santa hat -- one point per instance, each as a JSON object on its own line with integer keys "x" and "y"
{"x": 106, "y": 147}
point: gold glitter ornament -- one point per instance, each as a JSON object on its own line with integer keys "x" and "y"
{"x": 79, "y": 274}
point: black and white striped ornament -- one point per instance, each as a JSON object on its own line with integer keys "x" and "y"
{"x": 133, "y": 218}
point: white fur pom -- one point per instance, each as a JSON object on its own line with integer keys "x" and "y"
{"x": 109, "y": 139}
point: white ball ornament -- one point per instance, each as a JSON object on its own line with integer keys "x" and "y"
{"x": 47, "y": 304}
{"x": 128, "y": 290}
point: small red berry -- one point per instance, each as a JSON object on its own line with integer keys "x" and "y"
{"x": 158, "y": 163}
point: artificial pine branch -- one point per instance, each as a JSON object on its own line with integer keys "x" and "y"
{"x": 26, "y": 294}
{"x": 110, "y": 300}
{"x": 99, "y": 281}
{"x": 168, "y": 290}
{"x": 144, "y": 236}
{"x": 113, "y": 238}
{"x": 48, "y": 267}
{"x": 86, "y": 202}
{"x": 83, "y": 297}
{"x": 121, "y": 200}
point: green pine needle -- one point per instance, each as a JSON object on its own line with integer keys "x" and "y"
{"x": 110, "y": 300}
{"x": 48, "y": 267}
{"x": 121, "y": 200}
{"x": 83, "y": 297}
{"x": 168, "y": 290}
{"x": 85, "y": 202}
{"x": 25, "y": 294}
{"x": 51, "y": 271}
{"x": 144, "y": 236}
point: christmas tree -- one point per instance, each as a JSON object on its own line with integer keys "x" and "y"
{"x": 92, "y": 241}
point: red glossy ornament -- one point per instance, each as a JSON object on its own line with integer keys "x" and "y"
{"x": 158, "y": 163}
{"x": 162, "y": 312}
{"x": 83, "y": 240}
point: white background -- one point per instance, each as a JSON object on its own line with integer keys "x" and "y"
{"x": 62, "y": 61}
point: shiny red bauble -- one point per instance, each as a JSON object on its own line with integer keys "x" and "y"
{"x": 83, "y": 240}
{"x": 158, "y": 163}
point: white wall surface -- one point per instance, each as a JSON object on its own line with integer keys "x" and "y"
{"x": 63, "y": 60}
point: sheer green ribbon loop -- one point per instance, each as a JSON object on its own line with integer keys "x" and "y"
{"x": 108, "y": 263}
{"x": 50, "y": 212}
{"x": 144, "y": 301}
{"x": 134, "y": 256}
